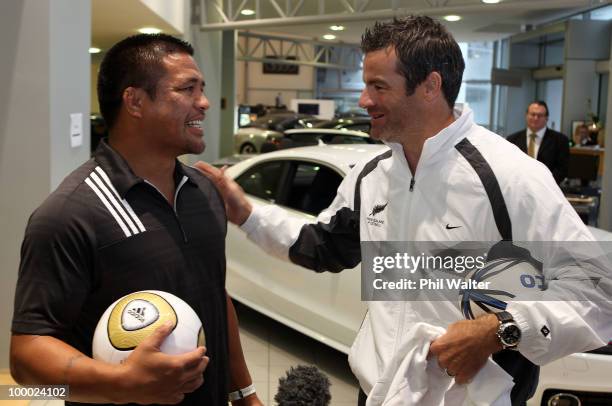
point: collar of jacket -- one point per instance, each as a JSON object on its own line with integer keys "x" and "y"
{"x": 436, "y": 148}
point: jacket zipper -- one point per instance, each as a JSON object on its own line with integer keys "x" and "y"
{"x": 176, "y": 217}
{"x": 411, "y": 184}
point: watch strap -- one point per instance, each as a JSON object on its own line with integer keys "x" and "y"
{"x": 241, "y": 393}
{"x": 504, "y": 317}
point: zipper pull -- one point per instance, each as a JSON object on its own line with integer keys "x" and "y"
{"x": 412, "y": 184}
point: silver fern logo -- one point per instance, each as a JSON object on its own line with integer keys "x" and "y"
{"x": 377, "y": 209}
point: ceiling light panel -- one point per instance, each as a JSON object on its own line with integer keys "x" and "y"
{"x": 149, "y": 30}
{"x": 452, "y": 18}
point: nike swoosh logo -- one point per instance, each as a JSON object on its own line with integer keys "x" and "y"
{"x": 448, "y": 227}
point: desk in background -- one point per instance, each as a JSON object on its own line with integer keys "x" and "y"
{"x": 589, "y": 152}
{"x": 581, "y": 188}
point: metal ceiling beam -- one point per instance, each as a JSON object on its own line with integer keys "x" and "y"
{"x": 305, "y": 63}
{"x": 240, "y": 7}
{"x": 297, "y": 8}
{"x": 295, "y": 40}
{"x": 322, "y": 54}
{"x": 386, "y": 9}
{"x": 347, "y": 6}
{"x": 278, "y": 9}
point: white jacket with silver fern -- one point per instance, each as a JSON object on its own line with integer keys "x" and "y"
{"x": 445, "y": 189}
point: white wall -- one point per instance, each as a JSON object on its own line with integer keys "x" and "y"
{"x": 172, "y": 11}
{"x": 254, "y": 87}
{"x": 44, "y": 76}
{"x": 207, "y": 46}
{"x": 69, "y": 77}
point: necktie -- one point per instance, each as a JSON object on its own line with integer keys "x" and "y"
{"x": 531, "y": 145}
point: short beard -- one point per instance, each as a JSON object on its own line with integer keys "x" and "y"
{"x": 389, "y": 136}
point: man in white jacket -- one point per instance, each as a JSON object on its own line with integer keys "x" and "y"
{"x": 443, "y": 179}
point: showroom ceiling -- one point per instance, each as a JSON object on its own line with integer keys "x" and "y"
{"x": 312, "y": 18}
{"x": 116, "y": 19}
{"x": 113, "y": 20}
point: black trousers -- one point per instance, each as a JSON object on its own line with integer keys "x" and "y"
{"x": 361, "y": 400}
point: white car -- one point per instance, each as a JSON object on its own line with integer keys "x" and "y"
{"x": 327, "y": 306}
{"x": 304, "y": 137}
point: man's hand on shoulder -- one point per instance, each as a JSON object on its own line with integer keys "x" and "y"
{"x": 236, "y": 204}
{"x": 150, "y": 376}
{"x": 463, "y": 350}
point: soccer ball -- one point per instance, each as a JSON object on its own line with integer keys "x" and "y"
{"x": 134, "y": 317}
{"x": 508, "y": 278}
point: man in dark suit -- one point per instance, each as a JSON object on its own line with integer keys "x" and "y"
{"x": 547, "y": 146}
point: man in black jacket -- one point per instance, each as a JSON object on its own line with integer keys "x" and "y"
{"x": 547, "y": 146}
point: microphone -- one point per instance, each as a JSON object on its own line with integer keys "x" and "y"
{"x": 303, "y": 386}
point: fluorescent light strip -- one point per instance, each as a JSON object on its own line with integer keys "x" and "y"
{"x": 149, "y": 30}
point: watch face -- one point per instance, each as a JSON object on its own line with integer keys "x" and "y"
{"x": 511, "y": 334}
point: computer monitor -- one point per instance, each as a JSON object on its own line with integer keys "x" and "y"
{"x": 584, "y": 167}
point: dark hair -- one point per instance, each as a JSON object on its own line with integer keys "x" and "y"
{"x": 539, "y": 103}
{"x": 135, "y": 61}
{"x": 422, "y": 46}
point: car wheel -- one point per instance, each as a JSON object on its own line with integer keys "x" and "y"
{"x": 248, "y": 148}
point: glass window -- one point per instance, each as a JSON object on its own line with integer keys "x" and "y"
{"x": 603, "y": 97}
{"x": 553, "y": 52}
{"x": 475, "y": 89}
{"x": 551, "y": 91}
{"x": 602, "y": 13}
{"x": 478, "y": 58}
{"x": 478, "y": 97}
{"x": 262, "y": 180}
{"x": 305, "y": 138}
{"x": 312, "y": 188}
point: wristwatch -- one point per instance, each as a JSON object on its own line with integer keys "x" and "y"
{"x": 508, "y": 331}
